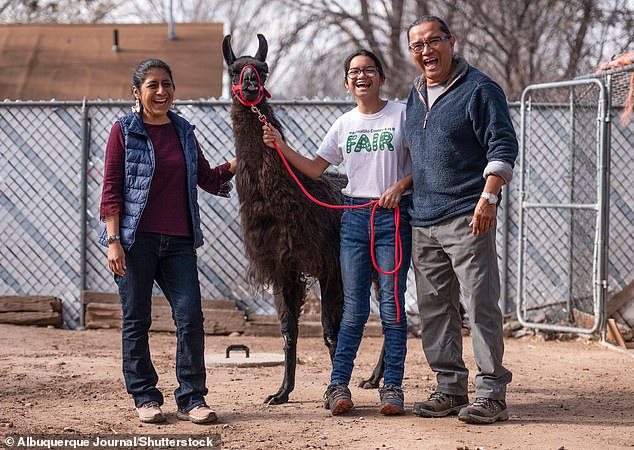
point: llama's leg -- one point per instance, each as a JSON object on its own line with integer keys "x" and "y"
{"x": 288, "y": 304}
{"x": 374, "y": 381}
{"x": 331, "y": 310}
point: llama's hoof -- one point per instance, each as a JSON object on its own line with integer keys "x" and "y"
{"x": 370, "y": 383}
{"x": 276, "y": 399}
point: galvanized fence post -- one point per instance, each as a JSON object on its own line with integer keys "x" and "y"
{"x": 604, "y": 204}
{"x": 85, "y": 149}
{"x": 504, "y": 250}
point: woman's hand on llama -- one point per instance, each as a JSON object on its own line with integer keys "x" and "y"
{"x": 233, "y": 163}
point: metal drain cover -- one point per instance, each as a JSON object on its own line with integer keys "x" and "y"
{"x": 245, "y": 358}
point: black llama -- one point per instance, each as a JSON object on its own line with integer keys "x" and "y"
{"x": 287, "y": 237}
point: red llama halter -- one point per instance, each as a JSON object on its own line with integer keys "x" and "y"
{"x": 237, "y": 89}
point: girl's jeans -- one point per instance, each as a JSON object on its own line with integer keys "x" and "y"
{"x": 357, "y": 271}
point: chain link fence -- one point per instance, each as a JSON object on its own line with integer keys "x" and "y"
{"x": 560, "y": 192}
{"x": 575, "y": 207}
{"x": 620, "y": 85}
{"x": 51, "y": 169}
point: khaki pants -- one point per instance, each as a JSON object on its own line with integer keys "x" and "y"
{"x": 448, "y": 259}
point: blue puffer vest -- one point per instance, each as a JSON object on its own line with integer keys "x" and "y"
{"x": 139, "y": 169}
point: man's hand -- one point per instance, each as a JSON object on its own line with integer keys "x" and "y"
{"x": 483, "y": 217}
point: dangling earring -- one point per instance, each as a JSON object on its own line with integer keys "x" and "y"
{"x": 136, "y": 108}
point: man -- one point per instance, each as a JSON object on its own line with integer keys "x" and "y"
{"x": 463, "y": 148}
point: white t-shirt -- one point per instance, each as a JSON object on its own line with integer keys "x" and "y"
{"x": 372, "y": 148}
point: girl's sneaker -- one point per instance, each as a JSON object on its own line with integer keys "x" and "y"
{"x": 338, "y": 399}
{"x": 392, "y": 400}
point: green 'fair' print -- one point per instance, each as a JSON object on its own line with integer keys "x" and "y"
{"x": 357, "y": 142}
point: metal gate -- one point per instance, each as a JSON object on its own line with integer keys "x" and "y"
{"x": 563, "y": 206}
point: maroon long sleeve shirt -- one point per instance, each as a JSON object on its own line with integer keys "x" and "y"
{"x": 167, "y": 210}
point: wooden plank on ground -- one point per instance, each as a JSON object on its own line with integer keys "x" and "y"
{"x": 102, "y": 315}
{"x": 272, "y": 329}
{"x": 263, "y": 318}
{"x": 89, "y": 297}
{"x": 583, "y": 319}
{"x": 217, "y": 321}
{"x": 310, "y": 329}
{"x": 314, "y": 317}
{"x": 620, "y": 299}
{"x": 614, "y": 335}
{"x": 32, "y": 318}
{"x": 223, "y": 321}
{"x": 268, "y": 325}
{"x": 258, "y": 328}
{"x": 31, "y": 310}
{"x": 43, "y": 303}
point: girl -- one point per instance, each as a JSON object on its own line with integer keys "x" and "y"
{"x": 369, "y": 141}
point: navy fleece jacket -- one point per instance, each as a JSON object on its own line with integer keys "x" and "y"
{"x": 452, "y": 142}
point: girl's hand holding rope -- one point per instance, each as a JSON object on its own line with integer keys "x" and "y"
{"x": 270, "y": 135}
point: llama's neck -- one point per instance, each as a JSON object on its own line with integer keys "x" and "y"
{"x": 247, "y": 128}
{"x": 258, "y": 164}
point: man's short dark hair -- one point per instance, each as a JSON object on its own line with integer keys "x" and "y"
{"x": 443, "y": 25}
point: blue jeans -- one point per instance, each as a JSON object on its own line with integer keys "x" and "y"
{"x": 357, "y": 271}
{"x": 171, "y": 262}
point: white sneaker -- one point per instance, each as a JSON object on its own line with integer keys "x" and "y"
{"x": 150, "y": 412}
{"x": 198, "y": 414}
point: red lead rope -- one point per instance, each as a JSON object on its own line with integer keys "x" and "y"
{"x": 398, "y": 248}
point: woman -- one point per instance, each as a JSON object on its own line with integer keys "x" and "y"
{"x": 369, "y": 141}
{"x": 149, "y": 203}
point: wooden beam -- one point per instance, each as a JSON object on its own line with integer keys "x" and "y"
{"x": 619, "y": 300}
{"x": 615, "y": 334}
{"x": 89, "y": 297}
{"x": 43, "y": 303}
{"x": 31, "y": 310}
{"x": 217, "y": 321}
{"x": 268, "y": 325}
{"x": 32, "y": 318}
{"x": 583, "y": 319}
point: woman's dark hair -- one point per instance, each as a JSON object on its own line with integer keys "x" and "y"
{"x": 443, "y": 25}
{"x": 369, "y": 54}
{"x": 139, "y": 74}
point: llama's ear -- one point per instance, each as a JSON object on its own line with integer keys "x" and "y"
{"x": 263, "y": 49}
{"x": 227, "y": 51}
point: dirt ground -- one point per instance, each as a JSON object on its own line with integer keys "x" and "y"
{"x": 565, "y": 395}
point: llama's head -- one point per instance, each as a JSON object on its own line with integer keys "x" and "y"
{"x": 247, "y": 74}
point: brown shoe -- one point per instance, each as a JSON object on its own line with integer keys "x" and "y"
{"x": 440, "y": 404}
{"x": 150, "y": 412}
{"x": 484, "y": 410}
{"x": 198, "y": 414}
